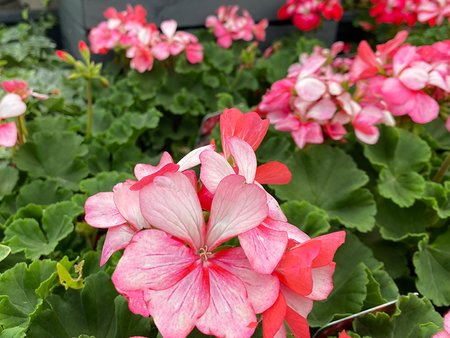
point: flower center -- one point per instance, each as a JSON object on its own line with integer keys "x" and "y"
{"x": 204, "y": 253}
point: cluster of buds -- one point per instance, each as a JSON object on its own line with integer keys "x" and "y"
{"x": 324, "y": 93}
{"x": 142, "y": 41}
{"x": 432, "y": 12}
{"x": 228, "y": 26}
{"x": 182, "y": 262}
{"x": 307, "y": 14}
{"x": 13, "y": 105}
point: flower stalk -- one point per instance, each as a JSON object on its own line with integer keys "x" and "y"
{"x": 22, "y": 130}
{"x": 439, "y": 176}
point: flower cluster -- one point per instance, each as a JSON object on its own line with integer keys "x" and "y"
{"x": 229, "y": 26}
{"x": 128, "y": 30}
{"x": 13, "y": 105}
{"x": 307, "y": 14}
{"x": 432, "y": 12}
{"x": 181, "y": 264}
{"x": 323, "y": 93}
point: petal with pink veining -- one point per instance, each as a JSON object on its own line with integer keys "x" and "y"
{"x": 171, "y": 204}
{"x": 101, "y": 211}
{"x": 8, "y": 134}
{"x": 192, "y": 159}
{"x": 141, "y": 170}
{"x": 127, "y": 202}
{"x": 169, "y": 27}
{"x": 116, "y": 238}
{"x": 236, "y": 208}
{"x": 322, "y": 282}
{"x": 262, "y": 289}
{"x": 214, "y": 169}
{"x": 264, "y": 247}
{"x": 293, "y": 232}
{"x": 229, "y": 313}
{"x": 244, "y": 157}
{"x": 153, "y": 260}
{"x": 177, "y": 309}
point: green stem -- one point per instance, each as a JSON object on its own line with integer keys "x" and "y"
{"x": 22, "y": 130}
{"x": 442, "y": 170}
{"x": 89, "y": 107}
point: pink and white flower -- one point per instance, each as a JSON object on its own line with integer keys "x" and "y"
{"x": 11, "y": 105}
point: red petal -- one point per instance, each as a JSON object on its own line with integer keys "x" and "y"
{"x": 273, "y": 173}
{"x": 272, "y": 318}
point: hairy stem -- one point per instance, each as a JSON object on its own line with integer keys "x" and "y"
{"x": 22, "y": 130}
{"x": 89, "y": 108}
{"x": 442, "y": 170}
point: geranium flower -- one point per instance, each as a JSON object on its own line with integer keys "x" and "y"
{"x": 185, "y": 282}
{"x": 11, "y": 105}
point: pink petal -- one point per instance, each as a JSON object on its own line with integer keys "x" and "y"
{"x": 177, "y": 309}
{"x": 311, "y": 65}
{"x": 168, "y": 168}
{"x": 414, "y": 78}
{"x": 8, "y": 134}
{"x": 153, "y": 260}
{"x": 322, "y": 110}
{"x": 11, "y": 105}
{"x": 293, "y": 232}
{"x": 308, "y": 133}
{"x": 447, "y": 322}
{"x": 273, "y": 318}
{"x": 322, "y": 282}
{"x": 236, "y": 208}
{"x": 136, "y": 302}
{"x": 244, "y": 157}
{"x": 161, "y": 51}
{"x": 275, "y": 211}
{"x": 192, "y": 159}
{"x": 426, "y": 109}
{"x": 296, "y": 302}
{"x": 262, "y": 289}
{"x": 116, "y": 239}
{"x": 171, "y": 204}
{"x": 295, "y": 268}
{"x": 229, "y": 313}
{"x": 403, "y": 58}
{"x": 273, "y": 172}
{"x": 169, "y": 27}
{"x": 194, "y": 53}
{"x": 127, "y": 202}
{"x": 101, "y": 211}
{"x": 214, "y": 168}
{"x": 395, "y": 93}
{"x": 264, "y": 247}
{"x": 142, "y": 170}
{"x": 329, "y": 243}
{"x": 298, "y": 324}
{"x": 310, "y": 89}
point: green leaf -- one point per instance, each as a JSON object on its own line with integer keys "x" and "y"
{"x": 400, "y": 156}
{"x": 224, "y": 100}
{"x": 129, "y": 125}
{"x": 307, "y": 217}
{"x": 40, "y": 237}
{"x": 4, "y": 251}
{"x": 219, "y": 58}
{"x": 185, "y": 102}
{"x": 397, "y": 223}
{"x": 438, "y": 197}
{"x": 44, "y": 156}
{"x": 432, "y": 265}
{"x": 8, "y": 179}
{"x": 414, "y": 318}
{"x": 329, "y": 179}
{"x": 66, "y": 279}
{"x": 438, "y": 133}
{"x": 19, "y": 301}
{"x": 42, "y": 193}
{"x": 275, "y": 148}
{"x": 104, "y": 181}
{"x": 96, "y": 311}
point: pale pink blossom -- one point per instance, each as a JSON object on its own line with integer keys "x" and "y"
{"x": 446, "y": 332}
{"x": 215, "y": 291}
